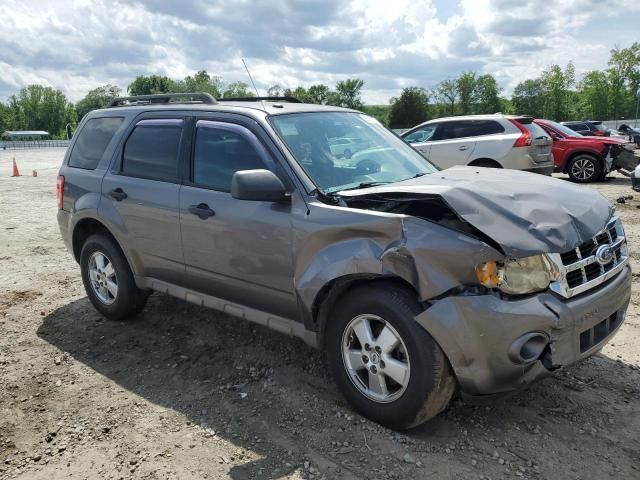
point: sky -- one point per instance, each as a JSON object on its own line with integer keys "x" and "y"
{"x": 76, "y": 45}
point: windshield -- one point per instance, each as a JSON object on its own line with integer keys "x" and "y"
{"x": 566, "y": 131}
{"x": 344, "y": 150}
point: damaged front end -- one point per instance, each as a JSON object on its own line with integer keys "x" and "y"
{"x": 622, "y": 157}
{"x": 435, "y": 232}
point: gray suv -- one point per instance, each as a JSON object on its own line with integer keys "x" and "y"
{"x": 419, "y": 283}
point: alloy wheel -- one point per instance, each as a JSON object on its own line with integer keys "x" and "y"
{"x": 102, "y": 277}
{"x": 583, "y": 169}
{"x": 375, "y": 358}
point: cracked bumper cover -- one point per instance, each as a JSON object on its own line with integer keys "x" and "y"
{"x": 476, "y": 332}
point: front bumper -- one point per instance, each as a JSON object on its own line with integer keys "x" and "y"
{"x": 477, "y": 332}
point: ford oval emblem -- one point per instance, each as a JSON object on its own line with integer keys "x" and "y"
{"x": 604, "y": 254}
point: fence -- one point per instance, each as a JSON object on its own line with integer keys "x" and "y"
{"x": 22, "y": 145}
{"x": 616, "y": 123}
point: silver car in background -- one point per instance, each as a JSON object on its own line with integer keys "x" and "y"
{"x": 498, "y": 141}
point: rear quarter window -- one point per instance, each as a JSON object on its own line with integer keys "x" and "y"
{"x": 535, "y": 130}
{"x": 484, "y": 127}
{"x": 92, "y": 142}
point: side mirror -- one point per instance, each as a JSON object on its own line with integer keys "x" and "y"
{"x": 257, "y": 186}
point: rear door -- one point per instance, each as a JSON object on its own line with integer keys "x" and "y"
{"x": 452, "y": 143}
{"x": 140, "y": 197}
{"x": 235, "y": 249}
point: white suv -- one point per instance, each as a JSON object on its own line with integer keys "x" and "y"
{"x": 499, "y": 141}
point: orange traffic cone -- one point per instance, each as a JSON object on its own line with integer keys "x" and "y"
{"x": 16, "y": 172}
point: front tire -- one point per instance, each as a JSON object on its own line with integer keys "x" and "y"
{"x": 385, "y": 364}
{"x": 585, "y": 169}
{"x": 108, "y": 280}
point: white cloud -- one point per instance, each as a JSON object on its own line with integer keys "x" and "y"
{"x": 78, "y": 45}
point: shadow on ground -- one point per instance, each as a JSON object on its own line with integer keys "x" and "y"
{"x": 198, "y": 363}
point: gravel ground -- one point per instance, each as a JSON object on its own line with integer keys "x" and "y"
{"x": 187, "y": 393}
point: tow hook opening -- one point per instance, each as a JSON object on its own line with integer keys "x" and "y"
{"x": 528, "y": 348}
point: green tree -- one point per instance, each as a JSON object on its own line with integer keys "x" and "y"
{"x": 274, "y": 91}
{"x": 488, "y": 95}
{"x": 379, "y": 112}
{"x": 447, "y": 95}
{"x": 300, "y": 93}
{"x": 627, "y": 62}
{"x": 465, "y": 86}
{"x": 557, "y": 87}
{"x": 237, "y": 89}
{"x": 96, "y": 98}
{"x": 410, "y": 109}
{"x": 37, "y": 107}
{"x": 7, "y": 120}
{"x": 624, "y": 80}
{"x": 529, "y": 98}
{"x": 148, "y": 85}
{"x": 318, "y": 94}
{"x": 593, "y": 96}
{"x": 348, "y": 93}
{"x": 202, "y": 82}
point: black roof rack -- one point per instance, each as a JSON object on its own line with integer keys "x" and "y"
{"x": 257, "y": 99}
{"x": 161, "y": 98}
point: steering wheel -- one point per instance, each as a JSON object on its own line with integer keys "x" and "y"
{"x": 367, "y": 166}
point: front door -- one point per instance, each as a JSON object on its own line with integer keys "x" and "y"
{"x": 235, "y": 249}
{"x": 451, "y": 144}
{"x": 140, "y": 198}
{"x": 420, "y": 138}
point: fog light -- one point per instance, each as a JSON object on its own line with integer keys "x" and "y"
{"x": 528, "y": 347}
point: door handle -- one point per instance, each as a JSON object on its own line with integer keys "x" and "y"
{"x": 463, "y": 148}
{"x": 118, "y": 194}
{"x": 202, "y": 211}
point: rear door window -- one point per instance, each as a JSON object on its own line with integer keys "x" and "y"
{"x": 152, "y": 150}
{"x": 455, "y": 129}
{"x": 221, "y": 150}
{"x": 92, "y": 142}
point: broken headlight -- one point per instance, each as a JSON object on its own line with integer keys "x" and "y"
{"x": 520, "y": 276}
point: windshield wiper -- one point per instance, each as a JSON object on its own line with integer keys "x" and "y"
{"x": 365, "y": 185}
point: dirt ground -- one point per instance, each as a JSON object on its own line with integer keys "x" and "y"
{"x": 187, "y": 393}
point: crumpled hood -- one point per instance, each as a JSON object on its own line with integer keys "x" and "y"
{"x": 525, "y": 213}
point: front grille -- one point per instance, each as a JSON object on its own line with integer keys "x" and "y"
{"x": 581, "y": 269}
{"x": 596, "y": 334}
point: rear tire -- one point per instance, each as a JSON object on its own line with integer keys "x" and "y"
{"x": 108, "y": 280}
{"x": 585, "y": 169}
{"x": 416, "y": 382}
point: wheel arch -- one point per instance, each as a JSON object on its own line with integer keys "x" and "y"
{"x": 90, "y": 226}
{"x": 591, "y": 153}
{"x": 337, "y": 288}
{"x": 477, "y": 161}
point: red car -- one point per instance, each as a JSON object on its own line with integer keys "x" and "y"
{"x": 586, "y": 159}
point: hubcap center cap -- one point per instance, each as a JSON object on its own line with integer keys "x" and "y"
{"x": 375, "y": 358}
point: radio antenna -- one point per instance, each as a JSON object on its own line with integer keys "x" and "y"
{"x": 250, "y": 77}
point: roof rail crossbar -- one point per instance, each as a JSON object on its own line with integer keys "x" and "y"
{"x": 257, "y": 99}
{"x": 161, "y": 98}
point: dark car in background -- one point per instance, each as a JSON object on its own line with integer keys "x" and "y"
{"x": 586, "y": 158}
{"x": 588, "y": 128}
{"x": 633, "y": 133}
